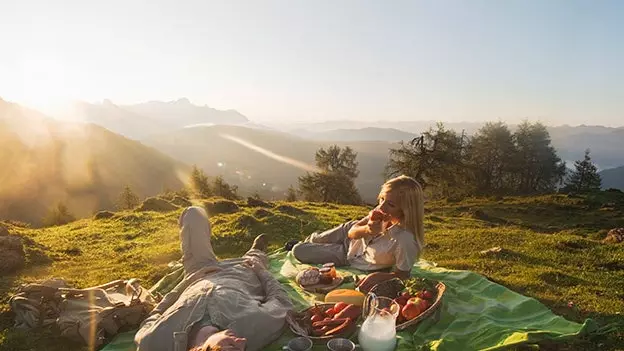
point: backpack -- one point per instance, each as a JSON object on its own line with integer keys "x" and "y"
{"x": 90, "y": 316}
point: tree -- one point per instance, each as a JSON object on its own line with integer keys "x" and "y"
{"x": 435, "y": 159}
{"x": 58, "y": 215}
{"x": 221, "y": 188}
{"x": 127, "y": 199}
{"x": 291, "y": 194}
{"x": 490, "y": 156}
{"x": 335, "y": 180}
{"x": 585, "y": 177}
{"x": 199, "y": 183}
{"x": 537, "y": 167}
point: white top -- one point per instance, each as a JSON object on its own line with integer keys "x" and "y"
{"x": 395, "y": 247}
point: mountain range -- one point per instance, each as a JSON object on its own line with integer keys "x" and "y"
{"x": 150, "y": 147}
{"x": 84, "y": 165}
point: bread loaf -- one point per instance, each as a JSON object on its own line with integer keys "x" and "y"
{"x": 308, "y": 276}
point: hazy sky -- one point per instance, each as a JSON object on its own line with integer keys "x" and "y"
{"x": 556, "y": 61}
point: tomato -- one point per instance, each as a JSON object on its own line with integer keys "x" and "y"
{"x": 330, "y": 312}
{"x": 339, "y": 306}
{"x": 406, "y": 295}
{"x": 316, "y": 318}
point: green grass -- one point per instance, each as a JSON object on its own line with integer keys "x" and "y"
{"x": 553, "y": 252}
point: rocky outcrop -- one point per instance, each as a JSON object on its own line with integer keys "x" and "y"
{"x": 614, "y": 236}
{"x": 11, "y": 252}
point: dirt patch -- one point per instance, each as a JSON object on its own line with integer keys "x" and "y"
{"x": 613, "y": 266}
{"x": 574, "y": 245}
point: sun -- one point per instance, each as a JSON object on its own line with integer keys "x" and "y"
{"x": 44, "y": 84}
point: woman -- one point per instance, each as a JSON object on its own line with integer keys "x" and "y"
{"x": 392, "y": 235}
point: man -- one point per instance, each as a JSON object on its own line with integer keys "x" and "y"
{"x": 228, "y": 305}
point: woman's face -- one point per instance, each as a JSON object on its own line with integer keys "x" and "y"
{"x": 227, "y": 341}
{"x": 389, "y": 204}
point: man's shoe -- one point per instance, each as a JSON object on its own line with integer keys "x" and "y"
{"x": 261, "y": 242}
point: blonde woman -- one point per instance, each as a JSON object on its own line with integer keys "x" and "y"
{"x": 391, "y": 235}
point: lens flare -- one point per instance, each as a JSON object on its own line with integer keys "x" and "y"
{"x": 271, "y": 154}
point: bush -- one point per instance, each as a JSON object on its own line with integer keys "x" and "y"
{"x": 220, "y": 206}
{"x": 157, "y": 204}
{"x": 58, "y": 215}
{"x": 255, "y": 202}
{"x": 180, "y": 201}
{"x": 293, "y": 211}
{"x": 104, "y": 215}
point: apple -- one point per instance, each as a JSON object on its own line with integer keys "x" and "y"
{"x": 410, "y": 311}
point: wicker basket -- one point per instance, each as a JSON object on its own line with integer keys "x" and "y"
{"x": 392, "y": 289}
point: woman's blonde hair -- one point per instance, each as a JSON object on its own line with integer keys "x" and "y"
{"x": 412, "y": 203}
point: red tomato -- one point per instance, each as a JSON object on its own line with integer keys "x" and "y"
{"x": 427, "y": 295}
{"x": 340, "y": 306}
{"x": 406, "y": 295}
{"x": 330, "y": 312}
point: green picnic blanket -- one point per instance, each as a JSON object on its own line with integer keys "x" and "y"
{"x": 476, "y": 314}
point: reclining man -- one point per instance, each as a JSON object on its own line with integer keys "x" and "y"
{"x": 220, "y": 305}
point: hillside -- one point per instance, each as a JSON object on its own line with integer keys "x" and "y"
{"x": 613, "y": 178}
{"x": 46, "y": 161}
{"x": 552, "y": 251}
{"x": 273, "y": 165}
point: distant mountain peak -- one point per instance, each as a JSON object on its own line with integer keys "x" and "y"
{"x": 182, "y": 101}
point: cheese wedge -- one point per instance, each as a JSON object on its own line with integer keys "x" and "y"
{"x": 347, "y": 296}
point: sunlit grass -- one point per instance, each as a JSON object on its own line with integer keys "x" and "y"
{"x": 552, "y": 251}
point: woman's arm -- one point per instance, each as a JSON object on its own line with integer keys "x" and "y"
{"x": 365, "y": 227}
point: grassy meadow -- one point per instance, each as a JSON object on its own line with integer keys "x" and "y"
{"x": 552, "y": 251}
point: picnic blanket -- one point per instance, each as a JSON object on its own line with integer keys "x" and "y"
{"x": 476, "y": 314}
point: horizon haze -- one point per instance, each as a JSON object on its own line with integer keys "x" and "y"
{"x": 273, "y": 61}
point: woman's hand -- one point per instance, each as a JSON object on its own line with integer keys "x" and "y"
{"x": 373, "y": 279}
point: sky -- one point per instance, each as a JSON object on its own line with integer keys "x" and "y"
{"x": 557, "y": 61}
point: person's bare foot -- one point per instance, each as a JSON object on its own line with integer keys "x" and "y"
{"x": 261, "y": 242}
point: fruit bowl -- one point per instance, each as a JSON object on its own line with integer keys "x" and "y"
{"x": 300, "y": 323}
{"x": 395, "y": 289}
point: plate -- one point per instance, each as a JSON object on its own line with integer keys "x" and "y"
{"x": 324, "y": 288}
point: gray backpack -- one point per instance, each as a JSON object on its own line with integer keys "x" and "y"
{"x": 91, "y": 316}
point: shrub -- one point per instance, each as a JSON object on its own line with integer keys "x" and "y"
{"x": 157, "y": 204}
{"x": 221, "y": 206}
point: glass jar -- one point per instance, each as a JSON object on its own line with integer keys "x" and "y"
{"x": 326, "y": 277}
{"x": 332, "y": 268}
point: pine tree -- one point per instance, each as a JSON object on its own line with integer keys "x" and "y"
{"x": 585, "y": 177}
{"x": 291, "y": 194}
{"x": 335, "y": 180}
{"x": 127, "y": 199}
{"x": 221, "y": 188}
{"x": 199, "y": 183}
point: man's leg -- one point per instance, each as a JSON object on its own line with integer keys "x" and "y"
{"x": 257, "y": 252}
{"x": 195, "y": 236}
{"x": 320, "y": 253}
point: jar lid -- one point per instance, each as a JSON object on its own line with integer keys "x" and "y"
{"x": 329, "y": 265}
{"x": 325, "y": 270}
